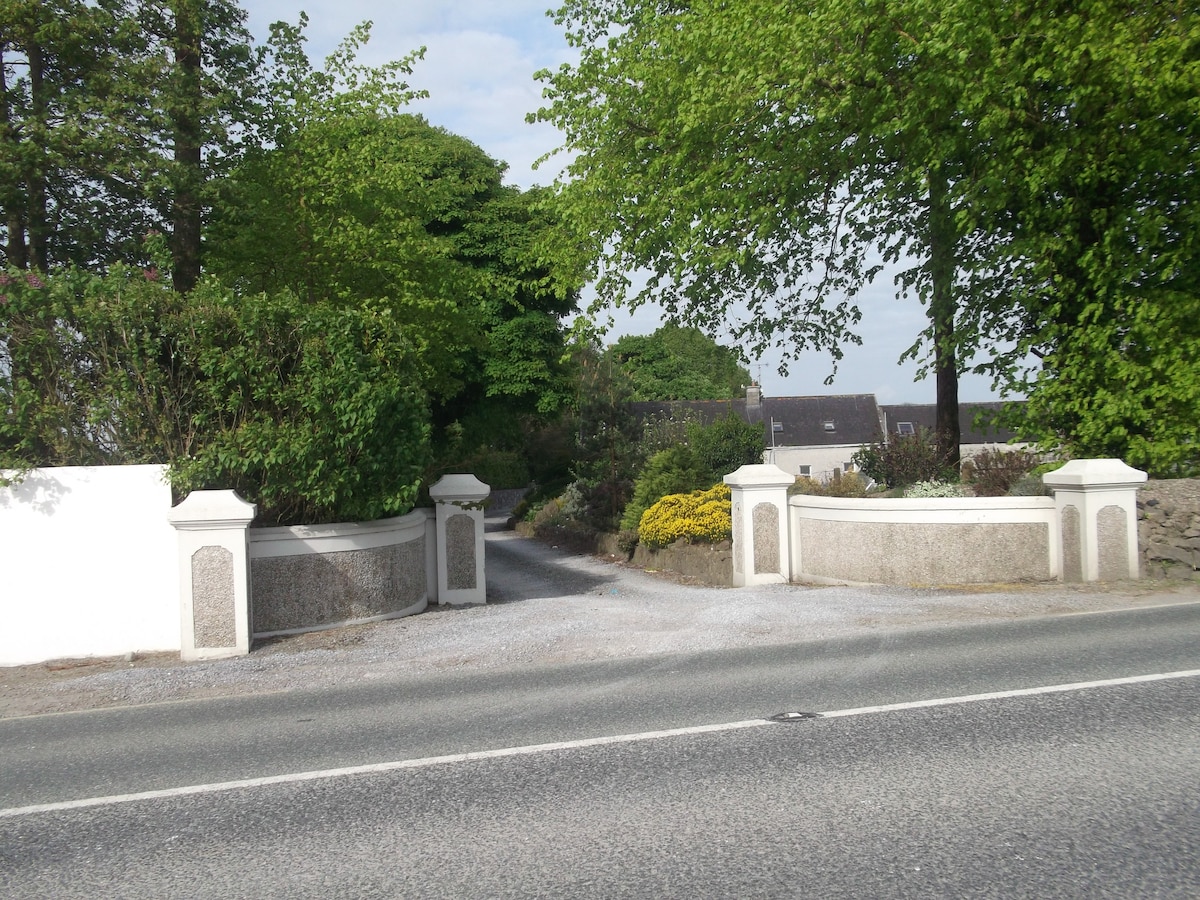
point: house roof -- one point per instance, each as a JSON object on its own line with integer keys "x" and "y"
{"x": 707, "y": 411}
{"x": 820, "y": 421}
{"x": 924, "y": 415}
{"x": 856, "y": 419}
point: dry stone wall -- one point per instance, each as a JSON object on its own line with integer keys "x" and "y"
{"x": 1169, "y": 528}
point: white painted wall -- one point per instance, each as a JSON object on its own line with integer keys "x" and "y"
{"x": 820, "y": 460}
{"x": 88, "y": 564}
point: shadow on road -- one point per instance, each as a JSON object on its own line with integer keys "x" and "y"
{"x": 520, "y": 568}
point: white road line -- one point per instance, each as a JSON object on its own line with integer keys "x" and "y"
{"x": 375, "y": 768}
{"x": 1020, "y": 692}
{"x": 396, "y": 765}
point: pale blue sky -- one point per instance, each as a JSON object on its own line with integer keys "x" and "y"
{"x": 478, "y": 69}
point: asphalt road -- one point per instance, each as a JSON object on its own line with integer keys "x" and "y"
{"x": 1076, "y": 793}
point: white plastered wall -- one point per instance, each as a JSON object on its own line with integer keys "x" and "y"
{"x": 88, "y": 564}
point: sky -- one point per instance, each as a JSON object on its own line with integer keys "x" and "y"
{"x": 478, "y": 69}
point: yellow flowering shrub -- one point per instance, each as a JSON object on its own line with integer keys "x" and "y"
{"x": 699, "y": 517}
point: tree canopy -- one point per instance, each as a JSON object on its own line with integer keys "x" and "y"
{"x": 679, "y": 363}
{"x": 270, "y": 276}
{"x": 1031, "y": 163}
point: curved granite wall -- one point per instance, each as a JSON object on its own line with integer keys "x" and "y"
{"x": 308, "y": 578}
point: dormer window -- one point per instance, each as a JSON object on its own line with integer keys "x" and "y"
{"x": 829, "y": 425}
{"x": 905, "y": 428}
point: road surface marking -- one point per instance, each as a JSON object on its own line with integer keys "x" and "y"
{"x": 397, "y": 765}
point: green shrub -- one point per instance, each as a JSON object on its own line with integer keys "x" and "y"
{"x": 699, "y": 517}
{"x": 994, "y": 471}
{"x": 1029, "y": 486}
{"x": 905, "y": 459}
{"x": 932, "y": 489}
{"x": 849, "y": 485}
{"x": 313, "y": 411}
{"x": 498, "y": 469}
{"x": 672, "y": 471}
{"x": 726, "y": 445}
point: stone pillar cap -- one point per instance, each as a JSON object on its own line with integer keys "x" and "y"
{"x": 1098, "y": 473}
{"x": 211, "y": 509}
{"x": 459, "y": 488}
{"x": 761, "y": 475}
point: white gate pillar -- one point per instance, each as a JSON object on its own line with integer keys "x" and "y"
{"x": 1097, "y": 518}
{"x": 760, "y": 525}
{"x": 459, "y": 512}
{"x": 214, "y": 574}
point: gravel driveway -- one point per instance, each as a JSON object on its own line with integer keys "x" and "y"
{"x": 549, "y": 607}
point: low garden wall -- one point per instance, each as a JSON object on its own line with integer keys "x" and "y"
{"x": 308, "y": 578}
{"x": 1169, "y": 528}
{"x": 96, "y": 562}
{"x": 969, "y": 540}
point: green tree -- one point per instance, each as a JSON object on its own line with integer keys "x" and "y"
{"x": 680, "y": 363}
{"x": 747, "y": 152}
{"x": 355, "y": 200}
{"x": 756, "y": 152}
{"x": 1093, "y": 198}
{"x": 114, "y": 117}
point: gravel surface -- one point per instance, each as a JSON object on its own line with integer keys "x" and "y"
{"x": 548, "y": 607}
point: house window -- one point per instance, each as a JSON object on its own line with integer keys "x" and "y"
{"x": 847, "y": 467}
{"x": 806, "y": 470}
{"x": 776, "y": 426}
{"x": 905, "y": 428}
{"x": 829, "y": 425}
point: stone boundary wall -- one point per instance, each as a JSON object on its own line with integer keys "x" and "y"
{"x": 968, "y": 540}
{"x": 311, "y": 578}
{"x": 707, "y": 563}
{"x": 1169, "y": 528}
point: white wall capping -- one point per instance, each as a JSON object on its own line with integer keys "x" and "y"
{"x": 205, "y": 510}
{"x": 1095, "y": 474}
{"x": 762, "y": 475}
{"x": 296, "y": 540}
{"x": 459, "y": 489}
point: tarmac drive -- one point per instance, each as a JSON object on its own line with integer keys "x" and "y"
{"x": 548, "y": 607}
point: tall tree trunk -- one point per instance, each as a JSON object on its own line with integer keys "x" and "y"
{"x": 185, "y": 122}
{"x": 12, "y": 204}
{"x": 36, "y": 219}
{"x": 942, "y": 308}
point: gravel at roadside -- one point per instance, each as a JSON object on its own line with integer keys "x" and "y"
{"x": 546, "y": 607}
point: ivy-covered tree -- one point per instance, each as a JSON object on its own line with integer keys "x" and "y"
{"x": 680, "y": 363}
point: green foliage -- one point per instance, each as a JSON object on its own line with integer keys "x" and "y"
{"x": 310, "y": 410}
{"x": 1035, "y": 163}
{"x": 726, "y": 445}
{"x": 993, "y": 472}
{"x": 934, "y": 489}
{"x": 697, "y": 517}
{"x": 118, "y": 118}
{"x": 905, "y": 459}
{"x": 1125, "y": 385}
{"x": 674, "y": 471}
{"x": 848, "y": 485}
{"x": 606, "y": 458}
{"x": 677, "y": 363}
